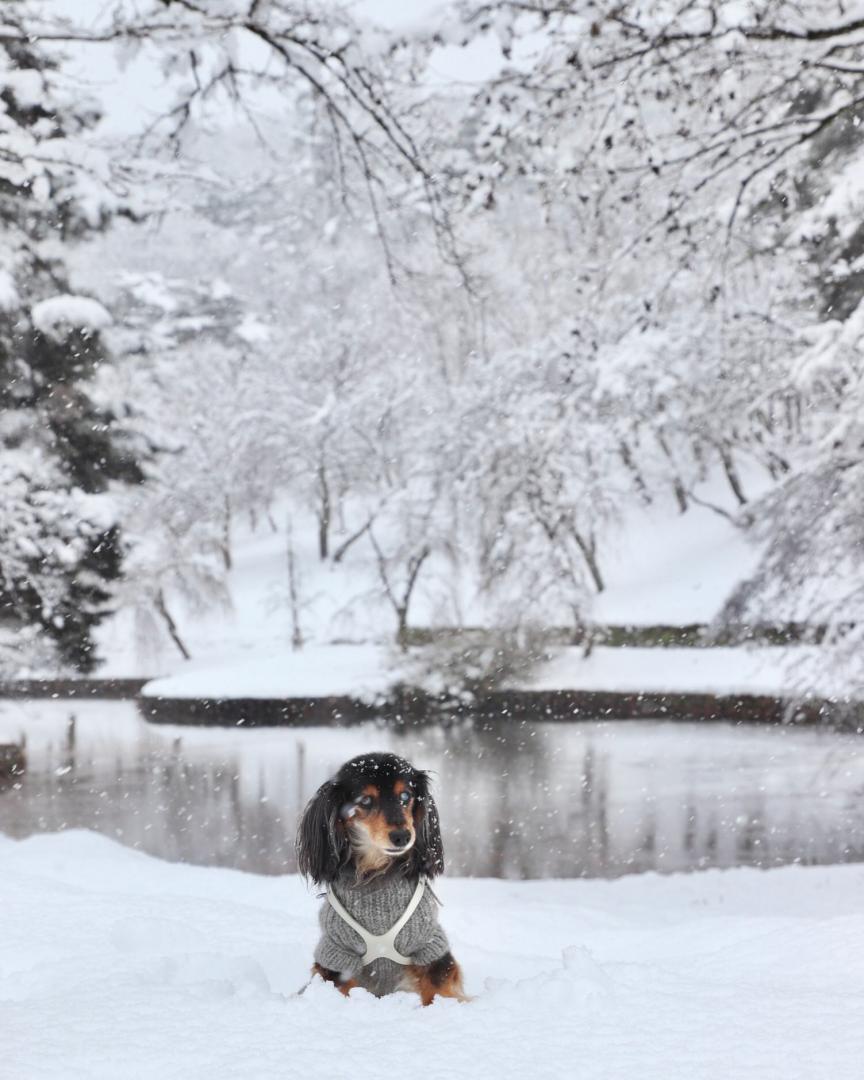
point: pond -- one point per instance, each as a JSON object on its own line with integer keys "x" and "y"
{"x": 519, "y": 800}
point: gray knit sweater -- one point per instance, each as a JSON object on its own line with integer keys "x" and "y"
{"x": 377, "y": 905}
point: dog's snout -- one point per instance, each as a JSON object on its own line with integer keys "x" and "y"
{"x": 399, "y": 837}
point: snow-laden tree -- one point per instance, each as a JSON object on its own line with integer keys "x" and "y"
{"x": 721, "y": 141}
{"x": 61, "y": 444}
{"x": 190, "y": 356}
{"x": 607, "y": 115}
{"x": 811, "y": 523}
{"x": 638, "y": 191}
{"x": 705, "y": 96}
{"x": 245, "y": 54}
{"x": 271, "y": 360}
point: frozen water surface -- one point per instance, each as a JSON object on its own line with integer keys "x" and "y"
{"x": 519, "y": 800}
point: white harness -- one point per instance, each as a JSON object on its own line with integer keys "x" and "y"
{"x": 380, "y": 946}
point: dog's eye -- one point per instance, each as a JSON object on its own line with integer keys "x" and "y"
{"x": 405, "y": 798}
{"x": 365, "y": 801}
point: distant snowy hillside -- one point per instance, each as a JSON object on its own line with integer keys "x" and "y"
{"x": 662, "y": 567}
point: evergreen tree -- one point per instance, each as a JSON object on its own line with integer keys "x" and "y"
{"x": 60, "y": 446}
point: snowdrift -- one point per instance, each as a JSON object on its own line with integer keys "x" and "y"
{"x": 115, "y": 964}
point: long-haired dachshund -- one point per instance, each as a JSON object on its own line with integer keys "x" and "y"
{"x": 371, "y": 835}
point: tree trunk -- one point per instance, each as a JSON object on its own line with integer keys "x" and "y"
{"x": 162, "y": 608}
{"x": 581, "y": 632}
{"x": 324, "y": 511}
{"x": 680, "y": 495}
{"x": 399, "y": 604}
{"x": 589, "y": 554}
{"x": 402, "y": 628}
{"x": 677, "y": 484}
{"x": 633, "y": 469}
{"x": 225, "y": 546}
{"x": 341, "y": 551}
{"x": 293, "y": 594}
{"x": 414, "y": 565}
{"x": 732, "y": 475}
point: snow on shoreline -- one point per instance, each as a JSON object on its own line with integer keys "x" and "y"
{"x": 369, "y": 671}
{"x": 773, "y": 670}
{"x": 116, "y": 964}
{"x": 358, "y": 671}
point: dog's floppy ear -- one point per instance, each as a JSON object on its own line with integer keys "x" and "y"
{"x": 428, "y": 849}
{"x": 322, "y": 846}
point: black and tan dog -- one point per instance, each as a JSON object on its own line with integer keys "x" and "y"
{"x": 371, "y": 835}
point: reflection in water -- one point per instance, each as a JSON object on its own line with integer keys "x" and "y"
{"x": 527, "y": 800}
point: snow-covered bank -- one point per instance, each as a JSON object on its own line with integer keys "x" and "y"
{"x": 359, "y": 671}
{"x": 116, "y": 964}
{"x": 369, "y": 671}
{"x": 356, "y": 671}
{"x": 781, "y": 671}
{"x": 654, "y": 574}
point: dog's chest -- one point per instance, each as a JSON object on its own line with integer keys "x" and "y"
{"x": 377, "y": 905}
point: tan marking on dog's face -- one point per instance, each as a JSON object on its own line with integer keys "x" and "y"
{"x": 362, "y": 804}
{"x": 370, "y": 826}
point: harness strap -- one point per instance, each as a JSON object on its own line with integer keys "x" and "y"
{"x": 380, "y": 946}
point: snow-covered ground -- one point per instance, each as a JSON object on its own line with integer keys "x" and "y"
{"x": 670, "y": 568}
{"x": 661, "y": 567}
{"x": 370, "y": 671}
{"x": 775, "y": 670}
{"x": 357, "y": 671}
{"x": 117, "y": 965}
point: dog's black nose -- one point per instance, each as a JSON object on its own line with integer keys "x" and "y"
{"x": 399, "y": 837}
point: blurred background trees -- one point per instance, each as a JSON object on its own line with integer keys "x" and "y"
{"x": 459, "y": 327}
